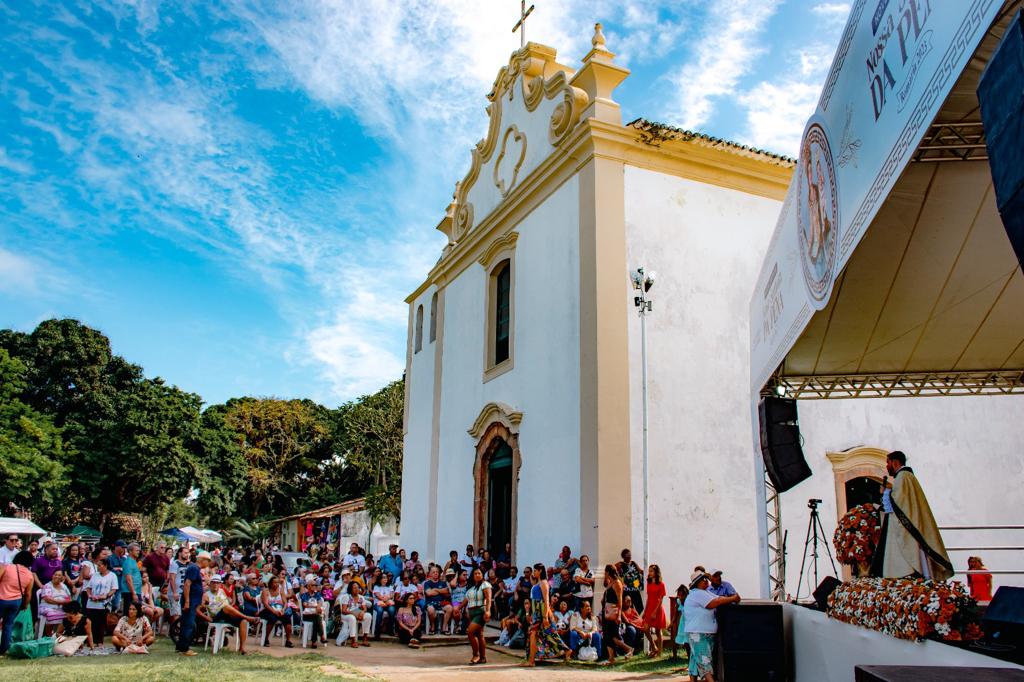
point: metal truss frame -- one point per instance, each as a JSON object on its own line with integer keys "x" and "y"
{"x": 898, "y": 385}
{"x": 776, "y": 545}
{"x": 962, "y": 141}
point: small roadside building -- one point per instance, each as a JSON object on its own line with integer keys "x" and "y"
{"x": 334, "y": 526}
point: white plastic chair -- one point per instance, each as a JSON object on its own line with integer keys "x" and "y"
{"x": 219, "y": 632}
{"x": 261, "y": 632}
{"x": 42, "y": 620}
{"x": 307, "y": 632}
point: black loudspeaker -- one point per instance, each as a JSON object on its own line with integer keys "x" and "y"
{"x": 1002, "y": 113}
{"x": 751, "y": 643}
{"x": 1004, "y": 618}
{"x": 825, "y": 589}
{"x": 780, "y": 443}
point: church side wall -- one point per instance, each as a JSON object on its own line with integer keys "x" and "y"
{"x": 543, "y": 385}
{"x": 965, "y": 451}
{"x": 417, "y": 444}
{"x": 706, "y": 244}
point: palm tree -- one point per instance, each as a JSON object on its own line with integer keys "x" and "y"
{"x": 249, "y": 532}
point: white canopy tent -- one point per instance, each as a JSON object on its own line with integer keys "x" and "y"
{"x": 890, "y": 273}
{"x": 11, "y": 524}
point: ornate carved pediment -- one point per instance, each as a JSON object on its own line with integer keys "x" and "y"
{"x": 496, "y": 412}
{"x": 533, "y": 73}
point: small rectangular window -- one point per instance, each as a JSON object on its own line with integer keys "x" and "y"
{"x": 418, "y": 344}
{"x": 503, "y": 313}
{"x": 433, "y": 318}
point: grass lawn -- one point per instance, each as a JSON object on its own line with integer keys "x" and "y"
{"x": 164, "y": 664}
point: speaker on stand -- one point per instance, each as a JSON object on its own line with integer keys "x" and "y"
{"x": 780, "y": 443}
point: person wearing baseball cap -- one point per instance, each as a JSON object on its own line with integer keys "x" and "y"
{"x": 719, "y": 587}
{"x": 220, "y": 606}
{"x": 701, "y": 625}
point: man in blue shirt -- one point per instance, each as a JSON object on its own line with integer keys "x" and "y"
{"x": 191, "y": 599}
{"x": 131, "y": 577}
{"x": 719, "y": 587}
{"x": 392, "y": 563}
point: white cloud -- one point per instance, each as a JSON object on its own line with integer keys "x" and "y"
{"x": 777, "y": 110}
{"x": 832, "y": 12}
{"x": 776, "y": 114}
{"x": 727, "y": 50}
{"x": 25, "y": 275}
{"x": 14, "y": 165}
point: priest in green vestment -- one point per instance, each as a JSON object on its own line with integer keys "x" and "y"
{"x": 911, "y": 545}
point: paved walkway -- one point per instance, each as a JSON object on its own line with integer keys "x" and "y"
{"x": 387, "y": 661}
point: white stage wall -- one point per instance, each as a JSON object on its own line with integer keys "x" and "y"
{"x": 826, "y": 650}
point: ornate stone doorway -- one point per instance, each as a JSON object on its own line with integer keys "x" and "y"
{"x": 858, "y": 474}
{"x": 496, "y": 477}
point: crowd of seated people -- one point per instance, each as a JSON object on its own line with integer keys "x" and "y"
{"x": 554, "y": 611}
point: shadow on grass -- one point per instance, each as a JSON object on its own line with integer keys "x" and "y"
{"x": 165, "y": 664}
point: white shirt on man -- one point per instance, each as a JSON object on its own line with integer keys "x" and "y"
{"x": 584, "y": 591}
{"x": 354, "y": 561}
{"x": 7, "y": 555}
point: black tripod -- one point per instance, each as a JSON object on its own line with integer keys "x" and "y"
{"x": 811, "y": 543}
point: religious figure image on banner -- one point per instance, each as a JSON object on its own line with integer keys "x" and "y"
{"x": 818, "y": 215}
{"x": 911, "y": 544}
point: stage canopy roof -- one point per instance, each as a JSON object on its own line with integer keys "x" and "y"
{"x": 930, "y": 300}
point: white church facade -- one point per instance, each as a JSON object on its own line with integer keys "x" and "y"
{"x": 523, "y": 420}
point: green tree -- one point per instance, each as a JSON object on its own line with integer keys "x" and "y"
{"x": 368, "y": 435}
{"x": 133, "y": 437}
{"x": 32, "y": 474}
{"x": 283, "y": 442}
{"x": 226, "y": 482}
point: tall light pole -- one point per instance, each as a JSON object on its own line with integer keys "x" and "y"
{"x": 642, "y": 283}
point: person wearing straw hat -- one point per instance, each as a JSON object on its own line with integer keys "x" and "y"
{"x": 701, "y": 625}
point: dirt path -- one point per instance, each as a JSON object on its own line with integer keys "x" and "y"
{"x": 395, "y": 662}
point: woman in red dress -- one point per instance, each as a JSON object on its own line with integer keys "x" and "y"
{"x": 654, "y": 614}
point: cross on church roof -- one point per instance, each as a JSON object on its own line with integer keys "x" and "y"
{"x": 521, "y": 24}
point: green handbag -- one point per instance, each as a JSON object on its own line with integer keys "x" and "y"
{"x": 32, "y": 648}
{"x": 23, "y": 633}
{"x": 23, "y": 629}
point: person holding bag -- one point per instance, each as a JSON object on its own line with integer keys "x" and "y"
{"x": 74, "y": 631}
{"x": 16, "y": 583}
{"x": 611, "y": 616}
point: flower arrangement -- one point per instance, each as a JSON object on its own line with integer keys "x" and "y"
{"x": 907, "y": 608}
{"x": 858, "y": 534}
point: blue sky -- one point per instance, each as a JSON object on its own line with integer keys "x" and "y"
{"x": 241, "y": 194}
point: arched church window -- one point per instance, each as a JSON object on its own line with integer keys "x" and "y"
{"x": 433, "y": 318}
{"x": 418, "y": 344}
{"x": 502, "y": 312}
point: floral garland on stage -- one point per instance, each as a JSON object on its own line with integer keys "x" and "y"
{"x": 858, "y": 534}
{"x": 907, "y": 608}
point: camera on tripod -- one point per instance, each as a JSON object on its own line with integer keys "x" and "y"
{"x": 813, "y": 503}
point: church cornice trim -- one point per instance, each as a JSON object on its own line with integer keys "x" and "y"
{"x": 495, "y": 412}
